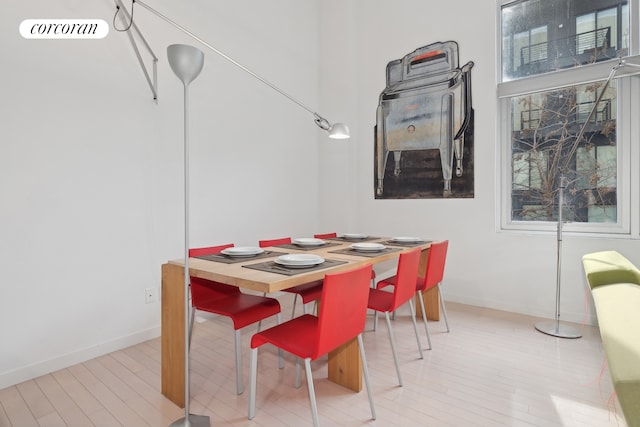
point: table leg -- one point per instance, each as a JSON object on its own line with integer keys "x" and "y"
{"x": 172, "y": 333}
{"x": 345, "y": 366}
{"x": 431, "y": 298}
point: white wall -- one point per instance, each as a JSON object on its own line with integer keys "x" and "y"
{"x": 91, "y": 177}
{"x": 91, "y": 169}
{"x": 509, "y": 271}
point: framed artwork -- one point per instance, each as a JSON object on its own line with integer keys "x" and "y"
{"x": 424, "y": 127}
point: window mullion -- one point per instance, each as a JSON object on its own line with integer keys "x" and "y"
{"x": 559, "y": 79}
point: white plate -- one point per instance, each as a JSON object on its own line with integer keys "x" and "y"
{"x": 407, "y": 239}
{"x": 242, "y": 251}
{"x": 354, "y": 236}
{"x": 368, "y": 247}
{"x": 299, "y": 260}
{"x": 308, "y": 241}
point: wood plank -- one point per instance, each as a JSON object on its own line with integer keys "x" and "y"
{"x": 431, "y": 298}
{"x": 173, "y": 372}
{"x": 35, "y": 399}
{"x": 82, "y": 397}
{"x": 17, "y": 410}
{"x": 151, "y": 402}
{"x": 4, "y": 419}
{"x": 345, "y": 366}
{"x": 66, "y": 409}
{"x": 108, "y": 399}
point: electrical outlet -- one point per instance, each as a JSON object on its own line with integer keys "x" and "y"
{"x": 149, "y": 295}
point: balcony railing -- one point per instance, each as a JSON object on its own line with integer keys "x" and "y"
{"x": 567, "y": 47}
{"x": 530, "y": 118}
{"x": 583, "y": 48}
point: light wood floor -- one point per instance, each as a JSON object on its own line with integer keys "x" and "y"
{"x": 493, "y": 369}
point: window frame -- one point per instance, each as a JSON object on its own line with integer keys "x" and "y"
{"x": 628, "y": 178}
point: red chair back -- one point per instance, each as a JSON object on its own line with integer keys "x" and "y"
{"x": 343, "y": 308}
{"x": 203, "y": 289}
{"x": 325, "y": 235}
{"x": 209, "y": 250}
{"x": 435, "y": 264}
{"x": 406, "y": 275}
{"x": 274, "y": 242}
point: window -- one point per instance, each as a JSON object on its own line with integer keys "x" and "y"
{"x": 528, "y": 46}
{"x": 560, "y": 120}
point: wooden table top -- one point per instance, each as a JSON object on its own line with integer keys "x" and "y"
{"x": 237, "y": 275}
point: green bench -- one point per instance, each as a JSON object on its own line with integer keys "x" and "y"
{"x": 615, "y": 287}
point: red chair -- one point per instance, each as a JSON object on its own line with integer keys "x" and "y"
{"x": 308, "y": 292}
{"x": 342, "y": 318}
{"x": 403, "y": 291}
{"x": 332, "y": 235}
{"x": 325, "y": 235}
{"x": 433, "y": 277}
{"x": 227, "y": 300}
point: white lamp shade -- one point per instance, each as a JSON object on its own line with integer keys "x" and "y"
{"x": 339, "y": 131}
{"x": 186, "y": 61}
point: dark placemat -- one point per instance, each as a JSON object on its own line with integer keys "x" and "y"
{"x": 406, "y": 244}
{"x": 307, "y": 248}
{"x": 236, "y": 259}
{"x": 370, "y": 254}
{"x": 273, "y": 267}
{"x": 352, "y": 240}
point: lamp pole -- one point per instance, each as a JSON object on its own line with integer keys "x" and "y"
{"x": 186, "y": 62}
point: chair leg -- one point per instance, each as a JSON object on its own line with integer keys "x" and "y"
{"x": 253, "y": 379}
{"x": 264, "y": 294}
{"x": 238, "y": 343}
{"x": 375, "y": 321}
{"x": 393, "y": 347}
{"x": 424, "y": 318}
{"x": 312, "y": 394}
{"x": 293, "y": 310}
{"x": 375, "y": 313}
{"x": 444, "y": 310}
{"x": 415, "y": 327}
{"x": 280, "y": 352}
{"x": 365, "y": 372}
{"x": 298, "y": 370}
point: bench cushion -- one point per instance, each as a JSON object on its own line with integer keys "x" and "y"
{"x": 615, "y": 288}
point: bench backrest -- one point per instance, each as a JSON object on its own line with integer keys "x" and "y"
{"x": 609, "y": 267}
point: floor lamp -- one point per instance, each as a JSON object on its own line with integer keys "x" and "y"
{"x": 186, "y": 62}
{"x": 554, "y": 327}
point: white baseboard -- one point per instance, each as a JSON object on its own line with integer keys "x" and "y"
{"x": 35, "y": 370}
{"x": 567, "y": 316}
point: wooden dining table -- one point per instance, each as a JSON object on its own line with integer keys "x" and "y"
{"x": 344, "y": 365}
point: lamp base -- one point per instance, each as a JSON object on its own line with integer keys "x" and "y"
{"x": 556, "y": 329}
{"x": 193, "y": 421}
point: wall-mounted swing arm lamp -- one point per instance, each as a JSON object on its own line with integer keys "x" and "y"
{"x": 335, "y": 130}
{"x": 555, "y": 327}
